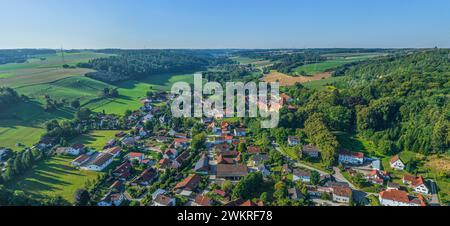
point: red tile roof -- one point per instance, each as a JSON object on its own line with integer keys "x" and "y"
{"x": 203, "y": 200}
{"x": 189, "y": 183}
{"x": 395, "y": 195}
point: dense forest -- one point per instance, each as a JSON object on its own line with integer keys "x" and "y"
{"x": 135, "y": 64}
{"x": 399, "y": 103}
{"x": 21, "y": 55}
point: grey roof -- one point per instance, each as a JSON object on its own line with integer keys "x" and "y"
{"x": 202, "y": 164}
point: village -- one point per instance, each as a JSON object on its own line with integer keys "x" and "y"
{"x": 173, "y": 168}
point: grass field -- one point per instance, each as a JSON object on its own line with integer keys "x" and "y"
{"x": 96, "y": 139}
{"x": 133, "y": 91}
{"x": 53, "y": 177}
{"x": 324, "y": 84}
{"x": 24, "y": 123}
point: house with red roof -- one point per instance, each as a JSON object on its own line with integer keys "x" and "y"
{"x": 190, "y": 183}
{"x": 399, "y": 198}
{"x": 136, "y": 156}
{"x": 416, "y": 183}
{"x": 396, "y": 163}
{"x": 202, "y": 200}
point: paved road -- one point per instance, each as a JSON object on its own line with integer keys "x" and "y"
{"x": 298, "y": 164}
{"x": 434, "y": 194}
{"x": 337, "y": 172}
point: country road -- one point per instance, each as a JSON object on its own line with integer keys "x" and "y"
{"x": 337, "y": 172}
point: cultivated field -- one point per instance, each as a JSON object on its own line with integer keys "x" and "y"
{"x": 286, "y": 80}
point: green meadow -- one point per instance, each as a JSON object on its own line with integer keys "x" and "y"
{"x": 53, "y": 177}
{"x": 96, "y": 139}
{"x": 23, "y": 124}
{"x": 131, "y": 92}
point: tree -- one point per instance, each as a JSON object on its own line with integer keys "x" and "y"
{"x": 249, "y": 186}
{"x": 75, "y": 104}
{"x": 198, "y": 141}
{"x": 227, "y": 186}
{"x": 84, "y": 114}
{"x": 315, "y": 177}
{"x": 82, "y": 197}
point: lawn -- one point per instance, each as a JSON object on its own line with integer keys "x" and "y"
{"x": 96, "y": 139}
{"x": 53, "y": 177}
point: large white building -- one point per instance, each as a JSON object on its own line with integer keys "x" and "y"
{"x": 399, "y": 198}
{"x": 100, "y": 162}
{"x": 354, "y": 158}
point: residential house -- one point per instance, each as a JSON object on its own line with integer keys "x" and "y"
{"x": 393, "y": 186}
{"x": 202, "y": 166}
{"x": 100, "y": 162}
{"x": 396, "y": 163}
{"x": 181, "y": 159}
{"x": 399, "y": 198}
{"x": 259, "y": 159}
{"x": 164, "y": 163}
{"x": 354, "y": 158}
{"x": 310, "y": 151}
{"x": 416, "y": 183}
{"x": 76, "y": 149}
{"x": 80, "y": 160}
{"x": 190, "y": 183}
{"x": 181, "y": 143}
{"x": 293, "y": 140}
{"x": 202, "y": 200}
{"x": 136, "y": 156}
{"x": 302, "y": 175}
{"x": 114, "y": 151}
{"x": 234, "y": 172}
{"x": 285, "y": 99}
{"x": 342, "y": 194}
{"x": 128, "y": 141}
{"x": 253, "y": 150}
{"x": 46, "y": 142}
{"x": 163, "y": 200}
{"x": 240, "y": 132}
{"x": 123, "y": 171}
{"x": 145, "y": 178}
{"x": 377, "y": 177}
{"x": 112, "y": 199}
{"x": 170, "y": 153}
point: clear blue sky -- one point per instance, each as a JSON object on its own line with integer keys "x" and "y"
{"x": 224, "y": 23}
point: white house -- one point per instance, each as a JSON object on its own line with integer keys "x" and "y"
{"x": 162, "y": 200}
{"x": 355, "y": 158}
{"x": 80, "y": 160}
{"x": 292, "y": 140}
{"x": 112, "y": 199}
{"x": 302, "y": 175}
{"x": 100, "y": 162}
{"x": 396, "y": 163}
{"x": 399, "y": 198}
{"x": 416, "y": 183}
{"x": 76, "y": 149}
